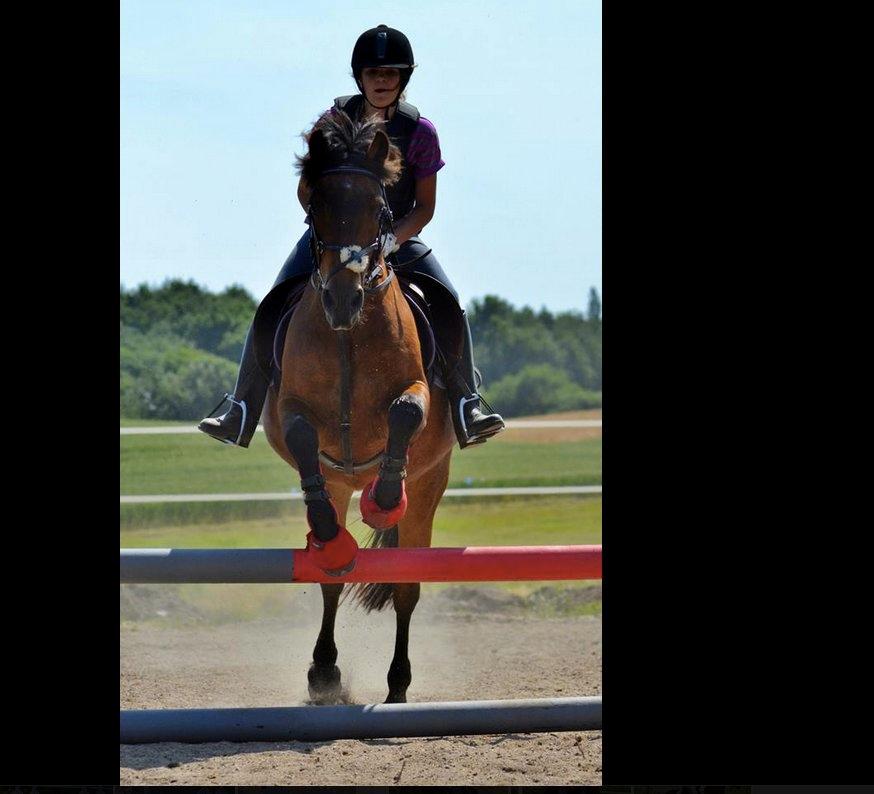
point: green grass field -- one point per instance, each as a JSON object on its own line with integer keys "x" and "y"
{"x": 501, "y": 521}
{"x": 157, "y": 423}
{"x": 172, "y": 464}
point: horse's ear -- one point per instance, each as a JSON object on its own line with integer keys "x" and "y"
{"x": 378, "y": 150}
{"x": 318, "y": 147}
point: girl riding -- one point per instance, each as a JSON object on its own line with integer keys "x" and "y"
{"x": 382, "y": 64}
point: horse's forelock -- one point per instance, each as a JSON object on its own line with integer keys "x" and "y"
{"x": 347, "y": 142}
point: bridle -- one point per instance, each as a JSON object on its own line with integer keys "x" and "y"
{"x": 385, "y": 226}
{"x": 385, "y": 222}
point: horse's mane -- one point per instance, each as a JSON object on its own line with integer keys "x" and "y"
{"x": 348, "y": 142}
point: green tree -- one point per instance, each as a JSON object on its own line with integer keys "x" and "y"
{"x": 163, "y": 377}
{"x": 540, "y": 388}
{"x": 216, "y": 323}
{"x": 180, "y": 345}
{"x": 593, "y": 314}
{"x": 507, "y": 339}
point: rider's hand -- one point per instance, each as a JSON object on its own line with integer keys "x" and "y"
{"x": 390, "y": 245}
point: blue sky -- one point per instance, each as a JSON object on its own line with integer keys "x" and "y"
{"x": 214, "y": 96}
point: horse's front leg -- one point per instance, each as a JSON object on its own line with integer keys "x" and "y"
{"x": 324, "y": 675}
{"x": 332, "y": 548}
{"x": 326, "y": 530}
{"x": 384, "y": 500}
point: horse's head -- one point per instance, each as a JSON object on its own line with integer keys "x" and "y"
{"x": 347, "y": 166}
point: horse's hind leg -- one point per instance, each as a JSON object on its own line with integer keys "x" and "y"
{"x": 400, "y": 674}
{"x": 413, "y": 531}
{"x": 324, "y": 675}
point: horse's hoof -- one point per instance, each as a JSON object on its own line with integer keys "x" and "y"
{"x": 340, "y": 571}
{"x": 324, "y": 683}
{"x": 373, "y": 515}
{"x": 400, "y": 697}
{"x": 335, "y": 557}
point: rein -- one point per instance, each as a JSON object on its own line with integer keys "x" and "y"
{"x": 386, "y": 226}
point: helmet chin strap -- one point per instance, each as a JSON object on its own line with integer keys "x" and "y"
{"x": 385, "y": 108}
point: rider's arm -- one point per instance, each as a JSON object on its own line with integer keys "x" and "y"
{"x": 304, "y": 191}
{"x": 426, "y": 200}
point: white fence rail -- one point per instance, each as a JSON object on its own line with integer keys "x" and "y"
{"x": 557, "y": 490}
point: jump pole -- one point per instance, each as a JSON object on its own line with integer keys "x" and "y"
{"x": 466, "y": 564}
{"x": 385, "y": 720}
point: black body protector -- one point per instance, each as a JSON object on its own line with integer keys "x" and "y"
{"x": 400, "y": 128}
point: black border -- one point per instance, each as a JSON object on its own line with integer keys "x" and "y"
{"x": 736, "y": 583}
{"x": 61, "y": 474}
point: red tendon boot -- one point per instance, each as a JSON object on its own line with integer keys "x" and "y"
{"x": 373, "y": 515}
{"x": 336, "y": 557}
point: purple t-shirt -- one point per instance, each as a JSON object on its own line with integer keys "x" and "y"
{"x": 423, "y": 155}
{"x": 424, "y": 152}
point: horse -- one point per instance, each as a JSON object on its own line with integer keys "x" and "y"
{"x": 353, "y": 391}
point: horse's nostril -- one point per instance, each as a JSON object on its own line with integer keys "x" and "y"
{"x": 328, "y": 300}
{"x": 357, "y": 299}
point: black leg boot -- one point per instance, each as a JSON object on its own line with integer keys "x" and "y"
{"x": 472, "y": 424}
{"x": 237, "y": 425}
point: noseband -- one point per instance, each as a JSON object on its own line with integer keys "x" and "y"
{"x": 386, "y": 226}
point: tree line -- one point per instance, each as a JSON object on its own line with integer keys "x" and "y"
{"x": 180, "y": 346}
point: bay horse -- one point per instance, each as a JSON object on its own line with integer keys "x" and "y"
{"x": 353, "y": 391}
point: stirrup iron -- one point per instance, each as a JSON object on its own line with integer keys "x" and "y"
{"x": 242, "y": 403}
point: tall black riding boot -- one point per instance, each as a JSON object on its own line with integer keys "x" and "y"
{"x": 472, "y": 424}
{"x": 237, "y": 425}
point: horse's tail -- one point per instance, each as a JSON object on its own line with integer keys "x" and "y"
{"x": 375, "y": 595}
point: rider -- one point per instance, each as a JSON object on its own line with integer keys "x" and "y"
{"x": 382, "y": 64}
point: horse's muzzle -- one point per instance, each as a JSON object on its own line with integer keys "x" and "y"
{"x": 343, "y": 307}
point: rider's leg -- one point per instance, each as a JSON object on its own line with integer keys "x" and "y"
{"x": 237, "y": 425}
{"x": 472, "y": 424}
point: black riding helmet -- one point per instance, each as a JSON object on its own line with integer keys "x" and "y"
{"x": 384, "y": 47}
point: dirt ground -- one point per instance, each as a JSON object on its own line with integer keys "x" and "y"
{"x": 467, "y": 643}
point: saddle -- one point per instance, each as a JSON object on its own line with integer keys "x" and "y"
{"x": 438, "y": 323}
